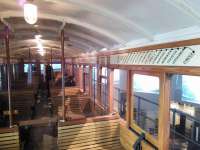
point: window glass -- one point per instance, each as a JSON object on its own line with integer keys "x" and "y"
{"x": 26, "y": 68}
{"x": 94, "y": 82}
{"x": 104, "y": 89}
{"x": 185, "y": 112}
{"x": 104, "y": 93}
{"x": 56, "y": 67}
{"x": 104, "y": 71}
{"x": 86, "y": 79}
{"x": 42, "y": 67}
{"x": 146, "y": 101}
{"x": 120, "y": 92}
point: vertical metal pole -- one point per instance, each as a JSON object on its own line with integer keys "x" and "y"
{"x": 29, "y": 68}
{"x": 73, "y": 73}
{"x": 8, "y": 75}
{"x": 63, "y": 69}
{"x": 51, "y": 58}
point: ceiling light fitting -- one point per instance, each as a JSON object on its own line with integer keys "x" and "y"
{"x": 30, "y": 13}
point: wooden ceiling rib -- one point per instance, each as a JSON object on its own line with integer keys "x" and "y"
{"x": 49, "y": 29}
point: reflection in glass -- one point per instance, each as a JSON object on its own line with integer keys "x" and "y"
{"x": 120, "y": 92}
{"x": 104, "y": 71}
{"x": 184, "y": 112}
{"x": 146, "y": 100}
{"x": 94, "y": 83}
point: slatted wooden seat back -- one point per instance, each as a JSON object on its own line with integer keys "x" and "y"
{"x": 72, "y": 91}
{"x": 99, "y": 134}
{"x": 9, "y": 139}
{"x": 22, "y": 102}
{"x": 77, "y": 104}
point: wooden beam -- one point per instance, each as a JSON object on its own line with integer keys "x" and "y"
{"x": 110, "y": 90}
{"x": 182, "y": 70}
{"x": 62, "y": 36}
{"x": 174, "y": 44}
{"x": 90, "y": 80}
{"x": 99, "y": 68}
{"x": 128, "y": 100}
{"x": 164, "y": 113}
{"x": 81, "y": 77}
{"x": 8, "y": 73}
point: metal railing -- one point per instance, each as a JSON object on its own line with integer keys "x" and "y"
{"x": 141, "y": 117}
{"x": 179, "y": 132}
{"x": 120, "y": 101}
{"x": 187, "y": 130}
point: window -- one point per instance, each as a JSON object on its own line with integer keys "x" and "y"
{"x": 104, "y": 93}
{"x": 146, "y": 102}
{"x": 86, "y": 79}
{"x": 104, "y": 71}
{"x": 120, "y": 92}
{"x": 26, "y": 67}
{"x": 56, "y": 67}
{"x": 184, "y": 112}
{"x": 94, "y": 83}
{"x": 104, "y": 89}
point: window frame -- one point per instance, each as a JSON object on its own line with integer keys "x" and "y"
{"x": 133, "y": 125}
{"x": 103, "y": 92}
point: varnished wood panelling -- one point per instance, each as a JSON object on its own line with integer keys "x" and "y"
{"x": 9, "y": 139}
{"x": 92, "y": 135}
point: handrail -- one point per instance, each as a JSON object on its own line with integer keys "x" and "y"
{"x": 147, "y": 100}
{"x": 185, "y": 114}
{"x": 137, "y": 144}
{"x": 184, "y": 137}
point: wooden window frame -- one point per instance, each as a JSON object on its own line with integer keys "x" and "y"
{"x": 163, "y": 110}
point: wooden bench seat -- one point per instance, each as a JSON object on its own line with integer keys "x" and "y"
{"x": 71, "y": 91}
{"x": 9, "y": 139}
{"x": 77, "y": 107}
{"x": 100, "y": 134}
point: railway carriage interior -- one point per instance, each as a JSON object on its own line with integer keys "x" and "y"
{"x": 99, "y": 75}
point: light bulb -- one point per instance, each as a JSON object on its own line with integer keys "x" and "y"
{"x": 30, "y": 13}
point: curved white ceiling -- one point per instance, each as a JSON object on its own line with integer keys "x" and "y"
{"x": 94, "y": 24}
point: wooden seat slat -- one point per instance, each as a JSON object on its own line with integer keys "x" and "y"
{"x": 6, "y": 142}
{"x": 9, "y": 139}
{"x": 88, "y": 133}
{"x": 100, "y": 134}
{"x": 3, "y": 147}
{"x": 89, "y": 124}
{"x": 95, "y": 138}
{"x": 91, "y": 142}
{"x": 8, "y": 134}
{"x": 88, "y": 128}
{"x": 92, "y": 146}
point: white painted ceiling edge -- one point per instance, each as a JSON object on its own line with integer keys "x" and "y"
{"x": 182, "y": 34}
{"x": 185, "y": 9}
